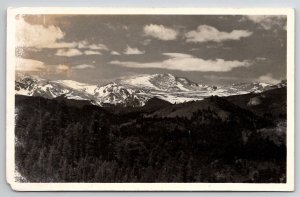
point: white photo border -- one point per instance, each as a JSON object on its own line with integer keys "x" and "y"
{"x": 10, "y": 102}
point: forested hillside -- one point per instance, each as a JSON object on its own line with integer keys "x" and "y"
{"x": 213, "y": 140}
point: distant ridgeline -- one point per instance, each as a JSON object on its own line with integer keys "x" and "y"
{"x": 238, "y": 138}
{"x": 133, "y": 91}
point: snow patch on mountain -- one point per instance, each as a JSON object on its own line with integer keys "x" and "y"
{"x": 142, "y": 81}
{"x": 77, "y": 86}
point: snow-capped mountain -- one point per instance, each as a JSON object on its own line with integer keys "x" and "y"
{"x": 162, "y": 82}
{"x": 244, "y": 88}
{"x": 34, "y": 86}
{"x": 165, "y": 86}
{"x": 131, "y": 91}
{"x": 118, "y": 94}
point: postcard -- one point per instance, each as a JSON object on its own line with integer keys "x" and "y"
{"x": 150, "y": 99}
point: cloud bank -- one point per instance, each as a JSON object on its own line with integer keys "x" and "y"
{"x": 28, "y": 65}
{"x": 206, "y": 33}
{"x": 31, "y": 65}
{"x": 39, "y": 36}
{"x": 185, "y": 62}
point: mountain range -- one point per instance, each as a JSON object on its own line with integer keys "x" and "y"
{"x": 133, "y": 91}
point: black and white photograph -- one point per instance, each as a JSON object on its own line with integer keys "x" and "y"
{"x": 150, "y": 97}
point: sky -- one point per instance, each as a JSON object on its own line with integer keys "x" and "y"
{"x": 98, "y": 49}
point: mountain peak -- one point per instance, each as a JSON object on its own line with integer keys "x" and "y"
{"x": 160, "y": 82}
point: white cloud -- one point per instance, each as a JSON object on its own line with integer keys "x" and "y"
{"x": 133, "y": 51}
{"x": 29, "y": 65}
{"x": 83, "y": 66}
{"x": 90, "y": 52}
{"x": 39, "y": 36}
{"x": 86, "y": 45}
{"x": 205, "y": 33}
{"x": 115, "y": 53}
{"x": 268, "y": 78}
{"x": 68, "y": 52}
{"x": 160, "y": 32}
{"x": 185, "y": 62}
{"x": 267, "y": 22}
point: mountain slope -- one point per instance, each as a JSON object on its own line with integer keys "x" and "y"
{"x": 271, "y": 103}
{"x": 218, "y": 105}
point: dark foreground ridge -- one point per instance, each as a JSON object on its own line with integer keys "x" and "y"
{"x": 239, "y": 139}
